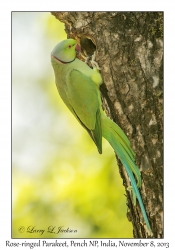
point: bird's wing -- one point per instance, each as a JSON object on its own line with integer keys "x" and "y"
{"x": 83, "y": 97}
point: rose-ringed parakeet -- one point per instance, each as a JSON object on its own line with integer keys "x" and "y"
{"x": 78, "y": 86}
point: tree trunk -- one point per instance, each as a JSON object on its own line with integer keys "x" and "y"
{"x": 129, "y": 50}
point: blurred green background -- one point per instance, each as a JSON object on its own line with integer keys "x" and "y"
{"x": 58, "y": 177}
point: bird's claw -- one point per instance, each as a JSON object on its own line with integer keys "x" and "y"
{"x": 87, "y": 59}
{"x": 94, "y": 63}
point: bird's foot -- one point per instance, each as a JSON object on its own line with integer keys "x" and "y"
{"x": 87, "y": 59}
{"x": 94, "y": 63}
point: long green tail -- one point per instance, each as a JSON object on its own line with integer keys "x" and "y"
{"x": 121, "y": 145}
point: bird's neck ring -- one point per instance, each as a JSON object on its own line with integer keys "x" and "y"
{"x": 62, "y": 62}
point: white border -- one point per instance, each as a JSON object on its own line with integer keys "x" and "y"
{"x": 5, "y": 96}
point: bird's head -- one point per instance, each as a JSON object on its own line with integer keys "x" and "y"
{"x": 65, "y": 51}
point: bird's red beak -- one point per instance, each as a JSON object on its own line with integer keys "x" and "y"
{"x": 78, "y": 48}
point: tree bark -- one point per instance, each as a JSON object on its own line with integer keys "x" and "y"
{"x": 129, "y": 51}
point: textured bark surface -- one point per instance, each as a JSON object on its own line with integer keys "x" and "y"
{"x": 129, "y": 51}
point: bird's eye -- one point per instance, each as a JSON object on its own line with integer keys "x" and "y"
{"x": 70, "y": 46}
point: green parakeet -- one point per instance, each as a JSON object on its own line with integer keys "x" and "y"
{"x": 78, "y": 86}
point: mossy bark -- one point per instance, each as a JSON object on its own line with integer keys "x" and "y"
{"x": 129, "y": 51}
